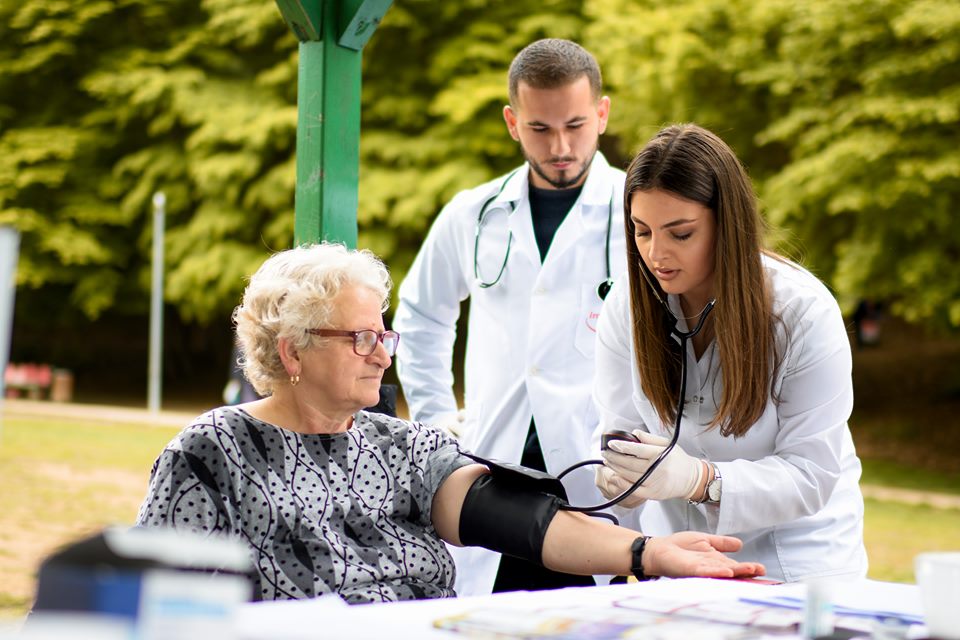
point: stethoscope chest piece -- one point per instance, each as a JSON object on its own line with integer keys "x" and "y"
{"x": 604, "y": 288}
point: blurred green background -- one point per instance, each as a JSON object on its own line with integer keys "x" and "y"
{"x": 847, "y": 114}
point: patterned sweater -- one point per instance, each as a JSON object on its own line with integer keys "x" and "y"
{"x": 347, "y": 513}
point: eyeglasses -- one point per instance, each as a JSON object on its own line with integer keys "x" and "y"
{"x": 364, "y": 341}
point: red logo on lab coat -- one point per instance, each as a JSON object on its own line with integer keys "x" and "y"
{"x": 591, "y": 321}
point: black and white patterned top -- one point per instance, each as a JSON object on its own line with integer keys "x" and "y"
{"x": 347, "y": 513}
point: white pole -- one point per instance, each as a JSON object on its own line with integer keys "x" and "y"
{"x": 9, "y": 250}
{"x": 155, "y": 367}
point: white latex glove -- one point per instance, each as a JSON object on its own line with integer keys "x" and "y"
{"x": 678, "y": 476}
{"x": 452, "y": 423}
{"x": 612, "y": 485}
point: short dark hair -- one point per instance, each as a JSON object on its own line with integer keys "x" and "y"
{"x": 552, "y": 63}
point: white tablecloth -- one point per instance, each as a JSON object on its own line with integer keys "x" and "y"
{"x": 329, "y": 617}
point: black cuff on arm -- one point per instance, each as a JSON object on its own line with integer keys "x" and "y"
{"x": 502, "y": 517}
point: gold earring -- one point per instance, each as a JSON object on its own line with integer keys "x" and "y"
{"x": 294, "y": 380}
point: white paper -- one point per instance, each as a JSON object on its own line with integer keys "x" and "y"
{"x": 287, "y": 619}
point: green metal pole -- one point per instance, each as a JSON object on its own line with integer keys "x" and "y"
{"x": 332, "y": 34}
{"x": 328, "y": 141}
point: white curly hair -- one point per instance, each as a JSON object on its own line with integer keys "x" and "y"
{"x": 294, "y": 291}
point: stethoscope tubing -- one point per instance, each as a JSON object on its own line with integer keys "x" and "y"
{"x": 476, "y": 237}
{"x": 602, "y": 288}
{"x": 683, "y": 336}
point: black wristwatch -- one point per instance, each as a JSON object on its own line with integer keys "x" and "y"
{"x": 636, "y": 558}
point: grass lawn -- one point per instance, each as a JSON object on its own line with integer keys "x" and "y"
{"x": 894, "y": 474}
{"x": 60, "y": 480}
{"x": 896, "y": 533}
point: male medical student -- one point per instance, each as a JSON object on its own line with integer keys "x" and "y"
{"x": 535, "y": 250}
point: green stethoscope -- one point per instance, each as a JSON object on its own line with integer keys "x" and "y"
{"x": 602, "y": 289}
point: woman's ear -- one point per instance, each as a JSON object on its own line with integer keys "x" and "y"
{"x": 289, "y": 357}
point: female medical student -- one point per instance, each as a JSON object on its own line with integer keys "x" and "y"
{"x": 764, "y": 451}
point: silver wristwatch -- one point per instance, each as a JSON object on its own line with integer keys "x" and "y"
{"x": 714, "y": 488}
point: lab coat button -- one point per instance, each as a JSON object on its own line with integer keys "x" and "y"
{"x": 534, "y": 371}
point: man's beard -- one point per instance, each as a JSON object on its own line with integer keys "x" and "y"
{"x": 560, "y": 182}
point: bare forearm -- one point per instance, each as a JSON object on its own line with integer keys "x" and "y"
{"x": 575, "y": 543}
{"x": 579, "y": 544}
{"x": 572, "y": 542}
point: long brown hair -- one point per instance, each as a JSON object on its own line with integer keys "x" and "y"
{"x": 694, "y": 164}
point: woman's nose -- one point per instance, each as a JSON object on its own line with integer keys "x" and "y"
{"x": 654, "y": 250}
{"x": 381, "y": 356}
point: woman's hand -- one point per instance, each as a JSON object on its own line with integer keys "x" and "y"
{"x": 691, "y": 553}
{"x": 612, "y": 485}
{"x": 678, "y": 476}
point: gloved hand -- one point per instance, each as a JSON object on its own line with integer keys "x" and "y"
{"x": 452, "y": 423}
{"x": 612, "y": 485}
{"x": 678, "y": 476}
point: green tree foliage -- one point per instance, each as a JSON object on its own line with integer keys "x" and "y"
{"x": 105, "y": 102}
{"x": 847, "y": 114}
{"x": 434, "y": 87}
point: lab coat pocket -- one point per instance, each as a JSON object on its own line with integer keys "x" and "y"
{"x": 587, "y": 316}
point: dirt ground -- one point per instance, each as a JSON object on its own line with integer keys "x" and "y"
{"x": 28, "y": 545}
{"x": 25, "y": 546}
{"x": 31, "y": 535}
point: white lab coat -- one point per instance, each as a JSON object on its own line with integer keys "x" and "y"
{"x": 530, "y": 346}
{"x": 791, "y": 484}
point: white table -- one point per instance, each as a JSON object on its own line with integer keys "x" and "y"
{"x": 330, "y": 618}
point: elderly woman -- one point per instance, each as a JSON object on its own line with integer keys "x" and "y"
{"x": 331, "y": 498}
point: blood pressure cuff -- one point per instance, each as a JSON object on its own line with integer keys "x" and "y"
{"x": 509, "y": 509}
{"x": 517, "y": 477}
